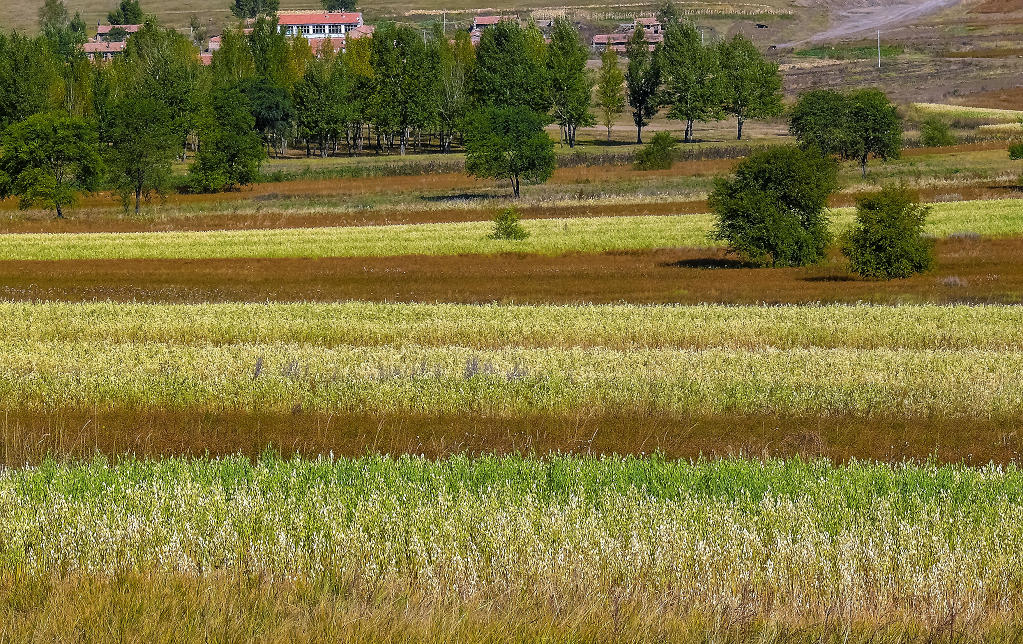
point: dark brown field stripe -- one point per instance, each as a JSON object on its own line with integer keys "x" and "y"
{"x": 28, "y": 437}
{"x": 967, "y": 271}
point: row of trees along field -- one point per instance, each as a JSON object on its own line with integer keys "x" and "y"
{"x": 122, "y": 124}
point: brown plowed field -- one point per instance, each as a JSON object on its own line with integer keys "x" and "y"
{"x": 968, "y": 270}
{"x": 27, "y": 437}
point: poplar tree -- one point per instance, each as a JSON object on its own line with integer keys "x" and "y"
{"x": 642, "y": 81}
{"x": 610, "y": 90}
{"x": 692, "y": 76}
{"x": 571, "y": 86}
{"x": 751, "y": 85}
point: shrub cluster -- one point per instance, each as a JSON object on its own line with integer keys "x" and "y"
{"x": 887, "y": 240}
{"x": 658, "y": 154}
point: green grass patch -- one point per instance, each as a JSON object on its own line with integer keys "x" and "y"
{"x": 996, "y": 218}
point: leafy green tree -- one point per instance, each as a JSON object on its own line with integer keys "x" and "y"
{"x": 338, "y": 5}
{"x": 406, "y": 82}
{"x": 751, "y": 85}
{"x": 887, "y": 241}
{"x": 643, "y": 81}
{"x": 455, "y": 59}
{"x": 692, "y": 76}
{"x": 610, "y": 89}
{"x": 48, "y": 159}
{"x": 319, "y": 102}
{"x": 230, "y": 150}
{"x": 253, "y": 8}
{"x": 873, "y": 127}
{"x": 143, "y": 144}
{"x": 509, "y": 143}
{"x": 53, "y": 16}
{"x": 659, "y": 154}
{"x": 271, "y": 53}
{"x": 571, "y": 86}
{"x": 30, "y": 78}
{"x": 772, "y": 212}
{"x": 935, "y": 132}
{"x": 508, "y": 71}
{"x": 271, "y": 108}
{"x": 233, "y": 61}
{"x": 360, "y": 81}
{"x": 819, "y": 119}
{"x": 128, "y": 12}
{"x": 116, "y": 34}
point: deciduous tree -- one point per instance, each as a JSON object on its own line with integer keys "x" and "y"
{"x": 691, "y": 74}
{"x": 48, "y": 160}
{"x": 643, "y": 81}
{"x": 571, "y": 86}
{"x": 610, "y": 90}
{"x": 509, "y": 143}
{"x": 750, "y": 84}
{"x": 128, "y": 12}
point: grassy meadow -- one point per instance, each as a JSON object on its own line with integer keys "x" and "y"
{"x": 318, "y": 409}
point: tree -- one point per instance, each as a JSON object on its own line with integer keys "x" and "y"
{"x": 271, "y": 52}
{"x": 360, "y": 81}
{"x": 508, "y": 71}
{"x": 128, "y": 12}
{"x": 48, "y": 159}
{"x": 508, "y": 226}
{"x": 571, "y": 87}
{"x": 818, "y": 120}
{"x": 887, "y": 240}
{"x": 319, "y": 102}
{"x": 751, "y": 85}
{"x": 230, "y": 150}
{"x": 233, "y": 61}
{"x": 142, "y": 147}
{"x": 610, "y": 92}
{"x": 874, "y": 127}
{"x": 643, "y": 80}
{"x": 852, "y": 126}
{"x": 30, "y": 78}
{"x": 691, "y": 75}
{"x": 509, "y": 143}
{"x": 406, "y": 77}
{"x": 455, "y": 60}
{"x": 271, "y": 108}
{"x": 338, "y": 5}
{"x": 53, "y": 16}
{"x": 935, "y": 132}
{"x": 771, "y": 213}
{"x": 248, "y": 9}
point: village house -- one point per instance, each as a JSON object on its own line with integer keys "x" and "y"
{"x": 100, "y": 47}
{"x": 653, "y": 34}
{"x": 319, "y": 24}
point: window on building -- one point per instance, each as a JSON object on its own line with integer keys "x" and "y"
{"x": 319, "y": 29}
{"x": 303, "y": 29}
{"x": 289, "y": 30}
{"x": 337, "y": 29}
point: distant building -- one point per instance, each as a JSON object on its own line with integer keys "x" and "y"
{"x": 103, "y": 31}
{"x": 99, "y": 50}
{"x": 479, "y": 23}
{"x": 653, "y": 33}
{"x": 319, "y": 24}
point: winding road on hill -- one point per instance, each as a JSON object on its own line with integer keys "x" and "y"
{"x": 861, "y": 18}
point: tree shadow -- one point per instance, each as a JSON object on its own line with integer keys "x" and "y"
{"x": 463, "y": 196}
{"x": 831, "y": 278}
{"x": 708, "y": 263}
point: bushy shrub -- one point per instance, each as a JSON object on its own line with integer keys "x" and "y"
{"x": 658, "y": 154}
{"x": 1016, "y": 151}
{"x": 507, "y": 226}
{"x": 887, "y": 239}
{"x": 771, "y": 213}
{"x": 935, "y": 133}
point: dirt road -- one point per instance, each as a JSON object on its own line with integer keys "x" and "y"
{"x": 861, "y": 19}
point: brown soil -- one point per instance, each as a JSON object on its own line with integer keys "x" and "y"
{"x": 29, "y": 437}
{"x": 968, "y": 270}
{"x": 1003, "y": 99}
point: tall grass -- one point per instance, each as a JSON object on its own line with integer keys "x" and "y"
{"x": 747, "y": 540}
{"x": 549, "y": 236}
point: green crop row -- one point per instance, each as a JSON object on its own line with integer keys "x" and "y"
{"x": 621, "y": 327}
{"x": 549, "y": 236}
{"x": 809, "y": 540}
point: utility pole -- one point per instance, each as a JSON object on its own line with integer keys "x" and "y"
{"x": 879, "y": 49}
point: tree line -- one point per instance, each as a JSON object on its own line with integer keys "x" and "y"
{"x": 123, "y": 124}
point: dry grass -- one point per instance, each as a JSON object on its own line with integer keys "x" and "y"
{"x": 969, "y": 269}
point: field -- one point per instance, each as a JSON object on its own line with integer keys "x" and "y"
{"x": 668, "y": 547}
{"x": 330, "y": 407}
